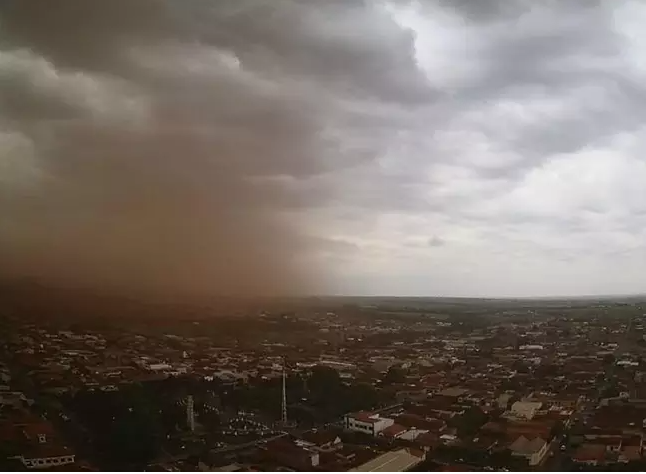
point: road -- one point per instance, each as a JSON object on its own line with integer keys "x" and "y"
{"x": 556, "y": 458}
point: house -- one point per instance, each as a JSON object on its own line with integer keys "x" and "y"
{"x": 438, "y": 407}
{"x": 410, "y": 394}
{"x": 525, "y": 410}
{"x": 513, "y": 429}
{"x": 393, "y": 431}
{"x": 38, "y": 448}
{"x": 613, "y": 443}
{"x": 202, "y": 467}
{"x": 532, "y": 449}
{"x": 46, "y": 456}
{"x": 453, "y": 392}
{"x": 12, "y": 400}
{"x": 414, "y": 421}
{"x": 590, "y": 454}
{"x": 323, "y": 440}
{"x": 427, "y": 441}
{"x": 295, "y": 454}
{"x": 412, "y": 434}
{"x": 503, "y": 401}
{"x": 368, "y": 423}
{"x": 630, "y": 453}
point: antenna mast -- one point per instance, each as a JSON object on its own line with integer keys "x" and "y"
{"x": 284, "y": 406}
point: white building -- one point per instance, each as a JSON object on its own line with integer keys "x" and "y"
{"x": 534, "y": 450}
{"x": 525, "y": 410}
{"x": 159, "y": 366}
{"x": 31, "y": 462}
{"x": 412, "y": 434}
{"x": 531, "y": 347}
{"x": 368, "y": 423}
{"x": 44, "y": 455}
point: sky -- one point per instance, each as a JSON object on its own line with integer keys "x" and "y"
{"x": 375, "y": 147}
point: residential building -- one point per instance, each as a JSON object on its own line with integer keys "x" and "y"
{"x": 295, "y": 454}
{"x": 526, "y": 410}
{"x": 368, "y": 423}
{"x": 532, "y": 449}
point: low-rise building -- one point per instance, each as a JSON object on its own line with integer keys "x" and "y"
{"x": 400, "y": 460}
{"x": 526, "y": 410}
{"x": 366, "y": 422}
{"x": 532, "y": 449}
{"x": 323, "y": 440}
{"x": 295, "y": 454}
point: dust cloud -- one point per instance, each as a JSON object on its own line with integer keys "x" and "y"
{"x": 134, "y": 136}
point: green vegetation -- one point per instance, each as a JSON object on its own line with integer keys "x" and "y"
{"x": 130, "y": 422}
{"x": 470, "y": 422}
{"x": 321, "y": 396}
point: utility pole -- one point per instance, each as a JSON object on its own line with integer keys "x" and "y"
{"x": 284, "y": 406}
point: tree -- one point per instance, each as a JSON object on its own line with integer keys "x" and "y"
{"x": 520, "y": 366}
{"x": 324, "y": 381}
{"x": 469, "y": 422}
{"x": 126, "y": 425}
{"x": 360, "y": 397}
{"x": 609, "y": 391}
{"x": 500, "y": 459}
{"x": 394, "y": 375}
{"x": 135, "y": 437}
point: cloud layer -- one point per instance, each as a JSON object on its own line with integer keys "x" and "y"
{"x": 432, "y": 147}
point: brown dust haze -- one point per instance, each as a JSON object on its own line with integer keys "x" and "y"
{"x": 140, "y": 145}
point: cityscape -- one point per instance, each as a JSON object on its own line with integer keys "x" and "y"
{"x": 327, "y": 384}
{"x": 322, "y": 235}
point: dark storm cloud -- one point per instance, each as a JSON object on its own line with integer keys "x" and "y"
{"x": 151, "y": 144}
{"x": 189, "y": 145}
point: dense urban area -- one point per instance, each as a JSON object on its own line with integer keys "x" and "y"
{"x": 329, "y": 384}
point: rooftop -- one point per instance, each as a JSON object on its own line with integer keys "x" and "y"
{"x": 393, "y": 461}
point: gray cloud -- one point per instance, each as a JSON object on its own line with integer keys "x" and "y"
{"x": 436, "y": 241}
{"x": 208, "y": 145}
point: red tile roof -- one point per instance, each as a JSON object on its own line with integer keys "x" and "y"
{"x": 393, "y": 431}
{"x": 589, "y": 453}
{"x": 46, "y": 450}
{"x": 415, "y": 421}
{"x": 320, "y": 437}
{"x": 365, "y": 417}
{"x": 428, "y": 440}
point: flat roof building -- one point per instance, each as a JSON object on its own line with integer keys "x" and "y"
{"x": 394, "y": 461}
